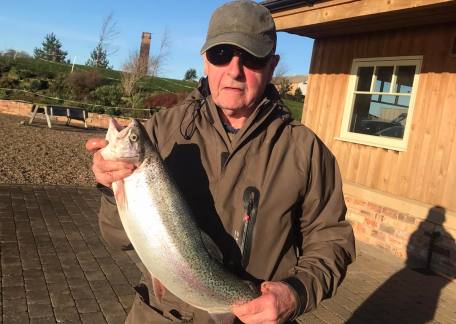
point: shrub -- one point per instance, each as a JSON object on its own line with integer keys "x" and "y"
{"x": 26, "y": 74}
{"x": 164, "y": 100}
{"x": 82, "y": 82}
{"x": 9, "y": 81}
{"x": 38, "y": 84}
{"x": 59, "y": 87}
{"x": 4, "y": 67}
{"x": 107, "y": 95}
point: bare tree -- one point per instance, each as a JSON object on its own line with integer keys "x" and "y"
{"x": 130, "y": 77}
{"x": 104, "y": 48}
{"x": 282, "y": 82}
{"x": 157, "y": 62}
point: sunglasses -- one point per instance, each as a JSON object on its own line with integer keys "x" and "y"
{"x": 222, "y": 54}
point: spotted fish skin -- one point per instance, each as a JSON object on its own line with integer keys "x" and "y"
{"x": 162, "y": 230}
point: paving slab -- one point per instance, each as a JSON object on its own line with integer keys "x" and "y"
{"x": 56, "y": 268}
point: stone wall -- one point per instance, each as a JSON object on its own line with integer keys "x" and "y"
{"x": 20, "y": 108}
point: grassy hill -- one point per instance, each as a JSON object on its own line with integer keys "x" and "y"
{"x": 46, "y": 82}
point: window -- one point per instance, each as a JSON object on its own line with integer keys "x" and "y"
{"x": 379, "y": 106}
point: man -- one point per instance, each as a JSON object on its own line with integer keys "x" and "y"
{"x": 263, "y": 187}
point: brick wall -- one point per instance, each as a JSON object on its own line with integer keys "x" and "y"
{"x": 25, "y": 108}
{"x": 420, "y": 242}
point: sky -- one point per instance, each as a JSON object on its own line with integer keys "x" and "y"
{"x": 77, "y": 24}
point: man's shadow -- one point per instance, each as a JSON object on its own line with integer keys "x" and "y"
{"x": 412, "y": 294}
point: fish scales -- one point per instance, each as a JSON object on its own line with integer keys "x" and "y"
{"x": 165, "y": 236}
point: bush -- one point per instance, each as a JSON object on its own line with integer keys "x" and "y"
{"x": 38, "y": 84}
{"x": 59, "y": 87}
{"x": 26, "y": 74}
{"x": 107, "y": 95}
{"x": 9, "y": 81}
{"x": 164, "y": 100}
{"x": 4, "y": 67}
{"x": 82, "y": 82}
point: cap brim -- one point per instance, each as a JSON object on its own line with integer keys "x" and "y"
{"x": 256, "y": 47}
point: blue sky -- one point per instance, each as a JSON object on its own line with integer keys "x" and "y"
{"x": 77, "y": 24}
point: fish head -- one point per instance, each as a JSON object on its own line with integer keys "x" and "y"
{"x": 128, "y": 144}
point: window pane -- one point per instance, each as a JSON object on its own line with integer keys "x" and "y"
{"x": 384, "y": 76}
{"x": 365, "y": 78}
{"x": 380, "y": 115}
{"x": 404, "y": 81}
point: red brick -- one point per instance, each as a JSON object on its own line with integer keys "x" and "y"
{"x": 371, "y": 223}
{"x": 390, "y": 212}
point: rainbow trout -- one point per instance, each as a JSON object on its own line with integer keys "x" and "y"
{"x": 162, "y": 230}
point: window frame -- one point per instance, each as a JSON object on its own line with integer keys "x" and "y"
{"x": 391, "y": 143}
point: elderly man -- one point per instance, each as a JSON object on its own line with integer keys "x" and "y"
{"x": 262, "y": 186}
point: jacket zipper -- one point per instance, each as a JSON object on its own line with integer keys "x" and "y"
{"x": 251, "y": 201}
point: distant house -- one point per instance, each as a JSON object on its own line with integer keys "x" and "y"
{"x": 296, "y": 81}
{"x": 381, "y": 94}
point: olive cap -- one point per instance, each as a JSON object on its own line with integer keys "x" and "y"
{"x": 245, "y": 24}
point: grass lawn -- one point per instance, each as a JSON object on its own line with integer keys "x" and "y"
{"x": 295, "y": 107}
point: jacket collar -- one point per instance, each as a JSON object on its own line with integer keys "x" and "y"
{"x": 270, "y": 104}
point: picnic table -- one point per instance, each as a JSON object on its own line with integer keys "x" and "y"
{"x": 76, "y": 113}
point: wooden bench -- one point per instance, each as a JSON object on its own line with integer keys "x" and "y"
{"x": 54, "y": 110}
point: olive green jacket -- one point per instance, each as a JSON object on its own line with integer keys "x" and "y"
{"x": 270, "y": 198}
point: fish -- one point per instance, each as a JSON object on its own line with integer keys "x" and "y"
{"x": 162, "y": 230}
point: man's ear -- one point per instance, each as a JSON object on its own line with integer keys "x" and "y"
{"x": 205, "y": 64}
{"x": 273, "y": 64}
{"x": 274, "y": 61}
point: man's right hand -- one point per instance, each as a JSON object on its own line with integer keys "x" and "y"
{"x": 105, "y": 171}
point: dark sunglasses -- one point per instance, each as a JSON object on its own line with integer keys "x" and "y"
{"x": 222, "y": 54}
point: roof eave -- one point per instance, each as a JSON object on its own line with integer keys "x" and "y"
{"x": 278, "y": 5}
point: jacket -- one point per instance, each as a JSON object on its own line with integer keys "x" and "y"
{"x": 274, "y": 170}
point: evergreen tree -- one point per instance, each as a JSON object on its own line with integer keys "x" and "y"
{"x": 190, "y": 74}
{"x": 98, "y": 57}
{"x": 51, "y": 49}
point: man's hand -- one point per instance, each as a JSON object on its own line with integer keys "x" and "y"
{"x": 106, "y": 172}
{"x": 276, "y": 304}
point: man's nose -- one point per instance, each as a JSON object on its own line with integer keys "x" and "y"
{"x": 235, "y": 68}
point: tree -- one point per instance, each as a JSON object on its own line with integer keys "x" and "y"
{"x": 98, "y": 57}
{"x": 51, "y": 49}
{"x": 284, "y": 86}
{"x": 157, "y": 62}
{"x": 130, "y": 77}
{"x": 14, "y": 53}
{"x": 190, "y": 74}
{"x": 101, "y": 52}
{"x": 298, "y": 94}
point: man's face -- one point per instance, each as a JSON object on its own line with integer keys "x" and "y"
{"x": 236, "y": 87}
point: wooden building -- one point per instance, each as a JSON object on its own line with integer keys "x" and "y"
{"x": 382, "y": 96}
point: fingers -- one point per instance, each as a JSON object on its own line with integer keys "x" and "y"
{"x": 273, "y": 306}
{"x": 95, "y": 143}
{"x": 106, "y": 172}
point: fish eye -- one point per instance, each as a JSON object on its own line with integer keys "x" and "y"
{"x": 133, "y": 137}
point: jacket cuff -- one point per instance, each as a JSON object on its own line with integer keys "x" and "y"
{"x": 300, "y": 292}
{"x": 105, "y": 190}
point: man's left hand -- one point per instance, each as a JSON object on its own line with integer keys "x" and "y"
{"x": 276, "y": 304}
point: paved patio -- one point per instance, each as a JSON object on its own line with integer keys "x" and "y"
{"x": 55, "y": 268}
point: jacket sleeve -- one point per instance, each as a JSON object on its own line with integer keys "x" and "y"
{"x": 111, "y": 227}
{"x": 328, "y": 244}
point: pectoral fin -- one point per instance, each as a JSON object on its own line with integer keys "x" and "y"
{"x": 159, "y": 289}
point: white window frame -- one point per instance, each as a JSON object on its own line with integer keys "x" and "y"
{"x": 396, "y": 144}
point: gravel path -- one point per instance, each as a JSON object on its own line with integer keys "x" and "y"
{"x": 35, "y": 154}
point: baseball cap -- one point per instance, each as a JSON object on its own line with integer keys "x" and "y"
{"x": 245, "y": 24}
